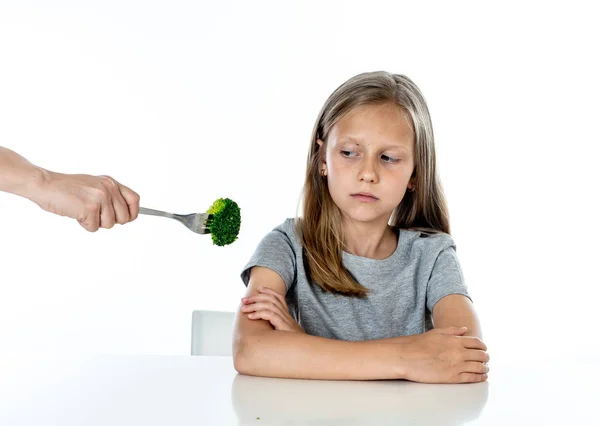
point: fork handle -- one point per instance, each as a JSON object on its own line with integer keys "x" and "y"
{"x": 152, "y": 212}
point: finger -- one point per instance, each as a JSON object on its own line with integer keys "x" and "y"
{"x": 120, "y": 208}
{"x": 107, "y": 215}
{"x": 473, "y": 343}
{"x": 275, "y": 320}
{"x": 268, "y": 290}
{"x": 132, "y": 199}
{"x": 91, "y": 221}
{"x": 475, "y": 367}
{"x": 477, "y": 355}
{"x": 259, "y": 306}
{"x": 277, "y": 298}
{"x": 261, "y": 298}
{"x": 118, "y": 204}
{"x": 264, "y": 298}
{"x": 471, "y": 377}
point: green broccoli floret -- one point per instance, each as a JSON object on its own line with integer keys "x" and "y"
{"x": 224, "y": 221}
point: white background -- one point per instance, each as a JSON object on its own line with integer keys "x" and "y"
{"x": 188, "y": 101}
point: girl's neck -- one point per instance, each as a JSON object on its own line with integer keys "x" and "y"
{"x": 370, "y": 240}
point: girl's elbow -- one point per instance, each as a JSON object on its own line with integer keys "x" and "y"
{"x": 250, "y": 352}
{"x": 240, "y": 362}
{"x": 242, "y": 359}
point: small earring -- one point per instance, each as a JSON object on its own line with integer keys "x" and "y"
{"x": 412, "y": 188}
{"x": 323, "y": 173}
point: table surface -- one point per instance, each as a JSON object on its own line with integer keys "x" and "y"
{"x": 184, "y": 390}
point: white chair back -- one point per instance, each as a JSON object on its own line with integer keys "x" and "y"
{"x": 212, "y": 332}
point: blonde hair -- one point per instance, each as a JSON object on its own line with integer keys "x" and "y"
{"x": 425, "y": 209}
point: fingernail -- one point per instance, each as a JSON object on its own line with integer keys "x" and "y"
{"x": 244, "y": 300}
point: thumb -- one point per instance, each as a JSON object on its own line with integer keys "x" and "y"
{"x": 453, "y": 331}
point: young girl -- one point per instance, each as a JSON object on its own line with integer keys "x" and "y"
{"x": 353, "y": 289}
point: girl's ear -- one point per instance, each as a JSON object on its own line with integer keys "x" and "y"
{"x": 412, "y": 185}
{"x": 323, "y": 170}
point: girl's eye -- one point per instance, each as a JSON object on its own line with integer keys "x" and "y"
{"x": 388, "y": 159}
{"x": 349, "y": 153}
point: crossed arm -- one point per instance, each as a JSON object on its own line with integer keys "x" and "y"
{"x": 268, "y": 342}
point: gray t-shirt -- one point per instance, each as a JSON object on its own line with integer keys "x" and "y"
{"x": 403, "y": 288}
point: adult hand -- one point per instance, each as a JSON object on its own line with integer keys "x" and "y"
{"x": 94, "y": 201}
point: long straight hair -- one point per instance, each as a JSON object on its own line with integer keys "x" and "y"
{"x": 425, "y": 209}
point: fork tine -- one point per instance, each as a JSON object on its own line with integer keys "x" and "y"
{"x": 195, "y": 222}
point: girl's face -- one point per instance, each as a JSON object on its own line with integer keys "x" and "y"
{"x": 369, "y": 161}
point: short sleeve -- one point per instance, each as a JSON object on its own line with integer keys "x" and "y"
{"x": 446, "y": 278}
{"x": 276, "y": 252}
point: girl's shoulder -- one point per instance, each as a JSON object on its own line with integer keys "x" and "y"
{"x": 287, "y": 229}
{"x": 288, "y": 225}
{"x": 426, "y": 241}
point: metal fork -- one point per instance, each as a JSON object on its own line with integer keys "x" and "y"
{"x": 195, "y": 222}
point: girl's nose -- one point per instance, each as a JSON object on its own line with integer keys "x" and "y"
{"x": 368, "y": 172}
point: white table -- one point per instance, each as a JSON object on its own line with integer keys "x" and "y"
{"x": 177, "y": 391}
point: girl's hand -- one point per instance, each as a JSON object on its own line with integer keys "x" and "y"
{"x": 270, "y": 306}
{"x": 444, "y": 355}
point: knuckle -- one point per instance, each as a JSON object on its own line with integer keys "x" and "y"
{"x": 98, "y": 194}
{"x": 107, "y": 180}
{"x": 92, "y": 208}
